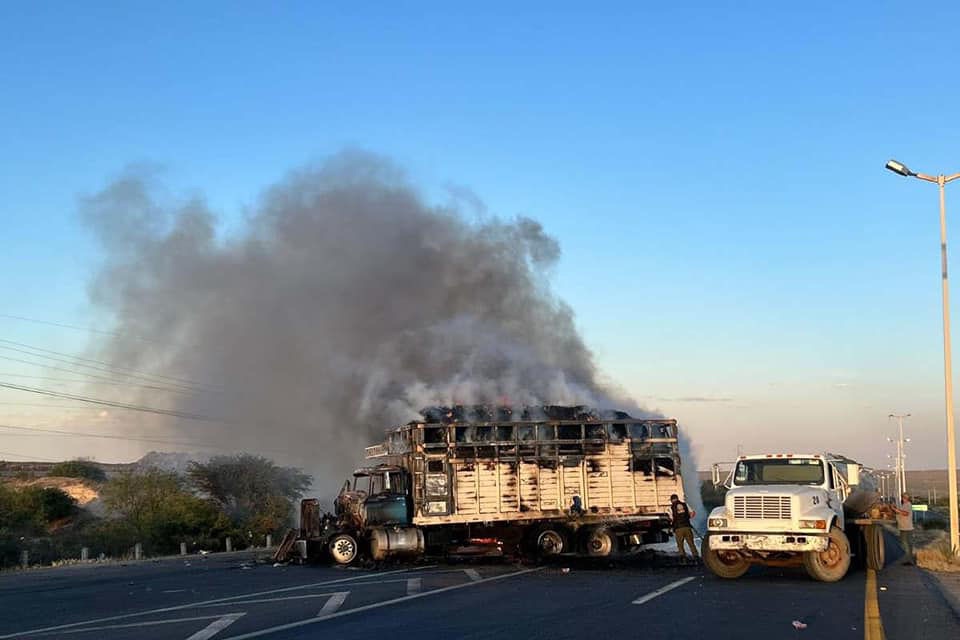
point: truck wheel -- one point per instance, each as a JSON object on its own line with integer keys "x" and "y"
{"x": 830, "y": 565}
{"x": 723, "y": 563}
{"x": 549, "y": 542}
{"x": 600, "y": 542}
{"x": 876, "y": 553}
{"x": 343, "y": 548}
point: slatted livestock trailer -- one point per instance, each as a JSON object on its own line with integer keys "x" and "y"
{"x": 550, "y": 480}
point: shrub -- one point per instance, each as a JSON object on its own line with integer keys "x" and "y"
{"x": 78, "y": 469}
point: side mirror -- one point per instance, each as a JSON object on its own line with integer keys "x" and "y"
{"x": 853, "y": 474}
{"x": 716, "y": 475}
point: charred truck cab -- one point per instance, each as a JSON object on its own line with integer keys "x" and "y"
{"x": 551, "y": 480}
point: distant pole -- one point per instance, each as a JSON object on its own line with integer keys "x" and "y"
{"x": 901, "y": 470}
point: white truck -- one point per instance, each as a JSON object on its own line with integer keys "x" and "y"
{"x": 786, "y": 509}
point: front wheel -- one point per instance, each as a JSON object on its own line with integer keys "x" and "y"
{"x": 343, "y": 548}
{"x": 833, "y": 563}
{"x": 723, "y": 563}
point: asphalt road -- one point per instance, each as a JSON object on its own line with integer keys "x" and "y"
{"x": 226, "y": 597}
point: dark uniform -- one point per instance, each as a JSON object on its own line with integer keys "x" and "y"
{"x": 681, "y": 526}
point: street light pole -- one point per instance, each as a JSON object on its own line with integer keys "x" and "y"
{"x": 901, "y": 455}
{"x": 941, "y": 182}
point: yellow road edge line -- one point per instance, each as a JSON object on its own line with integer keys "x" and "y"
{"x": 872, "y": 623}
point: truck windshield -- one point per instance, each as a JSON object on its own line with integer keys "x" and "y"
{"x": 779, "y": 471}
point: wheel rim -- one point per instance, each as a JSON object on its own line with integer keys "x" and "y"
{"x": 600, "y": 543}
{"x": 831, "y": 557}
{"x": 550, "y": 543}
{"x": 344, "y": 549}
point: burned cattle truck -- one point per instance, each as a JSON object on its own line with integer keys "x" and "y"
{"x": 492, "y": 481}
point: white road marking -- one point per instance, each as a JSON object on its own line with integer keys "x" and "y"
{"x": 203, "y": 602}
{"x": 262, "y": 600}
{"x": 150, "y": 623}
{"x": 473, "y": 574}
{"x": 334, "y": 603}
{"x": 215, "y": 627}
{"x": 377, "y": 605}
{"x": 662, "y": 590}
{"x": 414, "y": 585}
{"x": 173, "y": 591}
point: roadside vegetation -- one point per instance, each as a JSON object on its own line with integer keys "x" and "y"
{"x": 935, "y": 555}
{"x": 243, "y": 497}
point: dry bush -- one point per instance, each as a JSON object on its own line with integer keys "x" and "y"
{"x": 937, "y": 556}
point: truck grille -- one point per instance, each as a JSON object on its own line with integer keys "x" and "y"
{"x": 762, "y": 507}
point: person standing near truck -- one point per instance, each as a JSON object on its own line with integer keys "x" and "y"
{"x": 682, "y": 529}
{"x": 905, "y": 525}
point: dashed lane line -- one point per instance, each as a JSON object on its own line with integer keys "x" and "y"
{"x": 191, "y": 605}
{"x": 215, "y": 627}
{"x": 414, "y": 585}
{"x": 377, "y": 605}
{"x": 309, "y": 596}
{"x": 662, "y": 590}
{"x": 335, "y": 602}
{"x": 473, "y": 574}
{"x": 149, "y": 623}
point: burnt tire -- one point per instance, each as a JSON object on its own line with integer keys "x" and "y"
{"x": 343, "y": 548}
{"x": 830, "y": 565}
{"x": 729, "y": 565}
{"x": 600, "y": 542}
{"x": 876, "y": 552}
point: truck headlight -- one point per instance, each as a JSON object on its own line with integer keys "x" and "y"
{"x": 813, "y": 524}
{"x": 436, "y": 508}
{"x": 717, "y": 523}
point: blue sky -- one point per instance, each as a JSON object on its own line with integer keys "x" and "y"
{"x": 733, "y": 248}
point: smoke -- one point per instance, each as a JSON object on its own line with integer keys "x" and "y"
{"x": 344, "y": 305}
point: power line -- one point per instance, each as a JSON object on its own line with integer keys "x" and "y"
{"x": 99, "y": 365}
{"x": 89, "y": 375}
{"x": 20, "y": 455}
{"x": 117, "y": 383}
{"x": 109, "y": 403}
{"x": 49, "y": 406}
{"x": 75, "y": 327}
{"x": 134, "y": 438}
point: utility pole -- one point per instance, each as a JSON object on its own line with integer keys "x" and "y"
{"x": 901, "y": 471}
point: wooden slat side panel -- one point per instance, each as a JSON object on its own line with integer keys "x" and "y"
{"x": 549, "y": 489}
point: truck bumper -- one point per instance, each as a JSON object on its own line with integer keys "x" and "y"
{"x": 738, "y": 540}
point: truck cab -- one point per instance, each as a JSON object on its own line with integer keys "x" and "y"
{"x": 783, "y": 509}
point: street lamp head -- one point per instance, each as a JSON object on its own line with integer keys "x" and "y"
{"x": 899, "y": 167}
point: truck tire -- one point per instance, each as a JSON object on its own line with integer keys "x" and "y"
{"x": 343, "y": 548}
{"x": 876, "y": 553}
{"x": 600, "y": 542}
{"x": 548, "y": 541}
{"x": 723, "y": 564}
{"x": 830, "y": 565}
